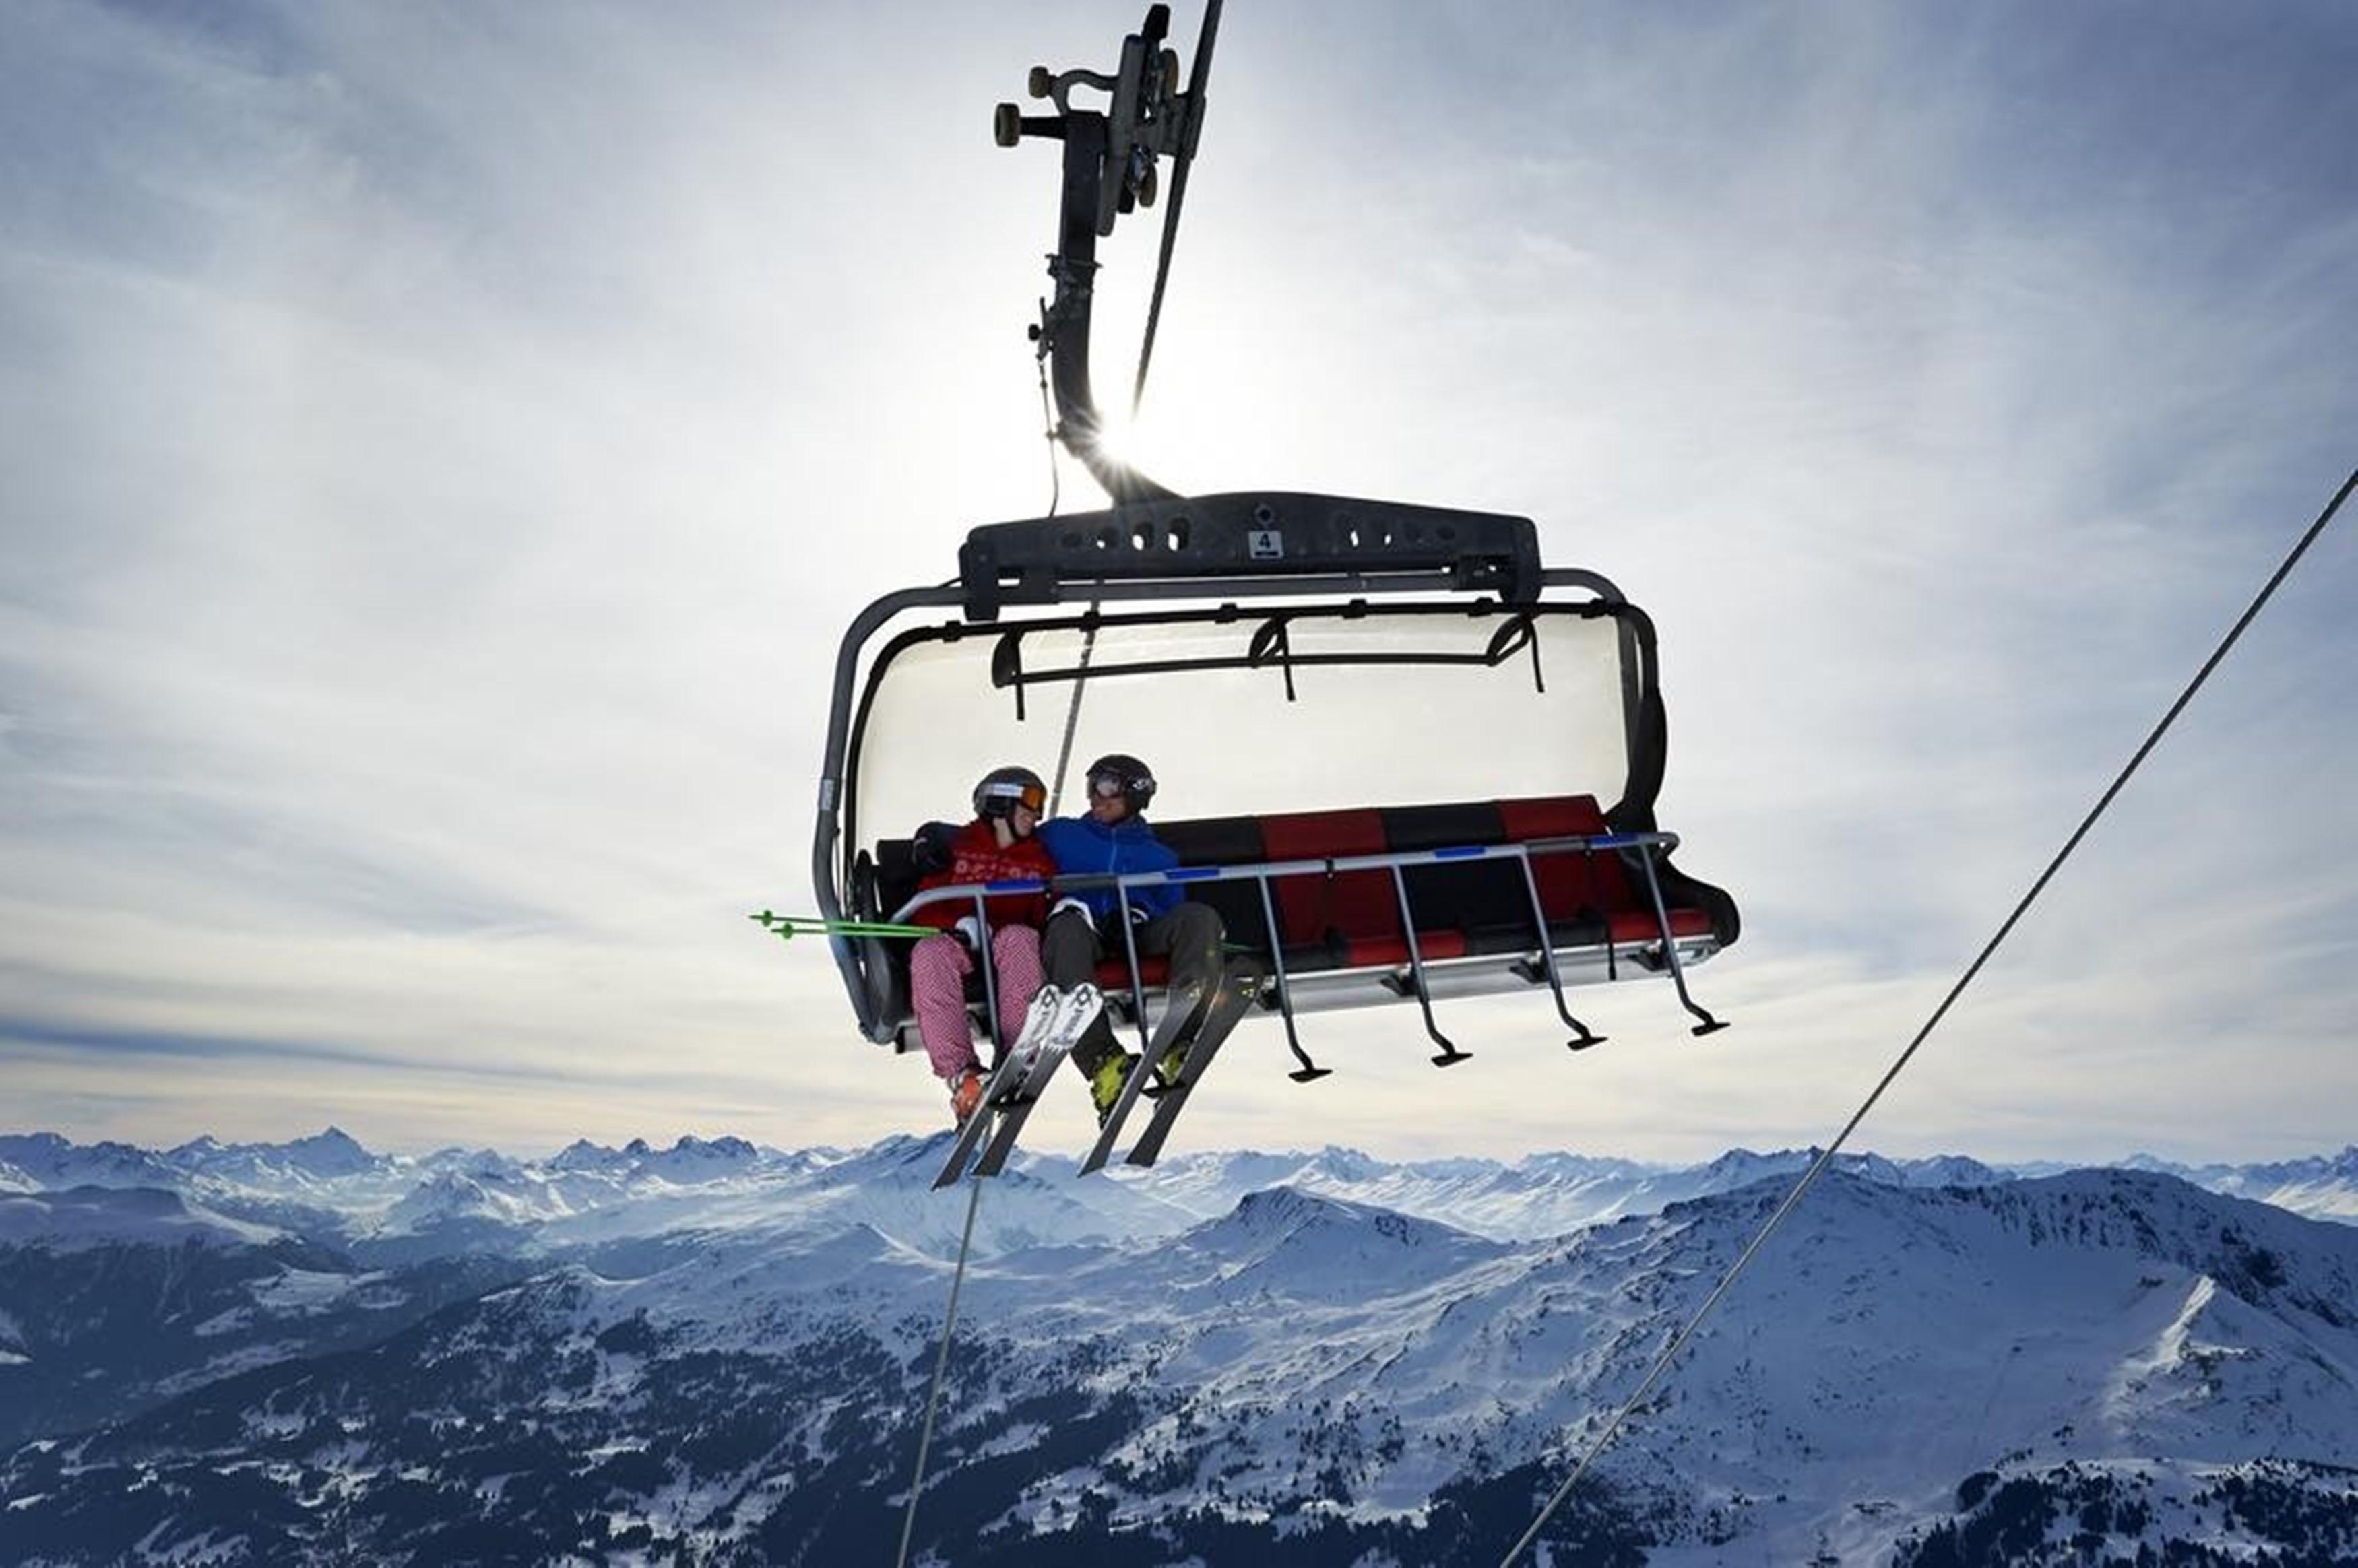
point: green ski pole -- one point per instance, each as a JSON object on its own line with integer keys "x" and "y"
{"x": 787, "y": 928}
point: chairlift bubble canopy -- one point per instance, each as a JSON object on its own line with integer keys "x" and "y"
{"x": 1453, "y": 748}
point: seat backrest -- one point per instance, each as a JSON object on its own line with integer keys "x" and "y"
{"x": 1466, "y": 896}
{"x": 1339, "y": 906}
{"x": 1347, "y": 906}
{"x": 896, "y": 876}
{"x": 1570, "y": 885}
{"x": 1224, "y": 841}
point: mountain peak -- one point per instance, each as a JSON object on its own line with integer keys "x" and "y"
{"x": 725, "y": 1147}
{"x": 334, "y": 1153}
{"x": 1289, "y": 1213}
{"x": 1274, "y": 1206}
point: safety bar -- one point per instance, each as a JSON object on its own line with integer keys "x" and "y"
{"x": 1649, "y": 847}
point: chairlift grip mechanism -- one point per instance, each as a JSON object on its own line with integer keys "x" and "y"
{"x": 1108, "y": 169}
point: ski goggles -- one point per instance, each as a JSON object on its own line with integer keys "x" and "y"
{"x": 1116, "y": 786}
{"x": 1032, "y": 797}
{"x": 1133, "y": 790}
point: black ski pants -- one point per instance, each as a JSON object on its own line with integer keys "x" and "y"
{"x": 1072, "y": 945}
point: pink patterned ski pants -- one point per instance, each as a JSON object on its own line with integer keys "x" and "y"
{"x": 938, "y": 967}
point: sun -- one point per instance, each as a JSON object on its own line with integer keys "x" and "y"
{"x": 1169, "y": 441}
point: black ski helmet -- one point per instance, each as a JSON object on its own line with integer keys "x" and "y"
{"x": 1003, "y": 789}
{"x": 1137, "y": 780}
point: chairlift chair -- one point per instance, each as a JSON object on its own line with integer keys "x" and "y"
{"x": 1417, "y": 764}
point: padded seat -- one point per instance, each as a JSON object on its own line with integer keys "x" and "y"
{"x": 1367, "y": 951}
{"x": 1641, "y": 925}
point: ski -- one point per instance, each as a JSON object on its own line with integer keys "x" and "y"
{"x": 1005, "y": 1074}
{"x": 1178, "y": 1017}
{"x": 1240, "y": 990}
{"x": 1078, "y": 1010}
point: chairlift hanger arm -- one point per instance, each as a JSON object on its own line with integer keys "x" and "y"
{"x": 1108, "y": 171}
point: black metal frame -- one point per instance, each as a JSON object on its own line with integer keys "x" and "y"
{"x": 1250, "y": 534}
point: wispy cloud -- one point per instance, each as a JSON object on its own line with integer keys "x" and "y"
{"x": 442, "y": 447}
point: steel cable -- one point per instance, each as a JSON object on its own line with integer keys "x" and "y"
{"x": 1198, "y": 87}
{"x": 941, "y": 1365}
{"x": 1825, "y": 1157}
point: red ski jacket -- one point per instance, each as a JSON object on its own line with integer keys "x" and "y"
{"x": 976, "y": 857}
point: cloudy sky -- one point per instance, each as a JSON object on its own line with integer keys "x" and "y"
{"x": 440, "y": 446}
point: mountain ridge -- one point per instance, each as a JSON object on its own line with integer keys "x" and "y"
{"x": 329, "y": 1186}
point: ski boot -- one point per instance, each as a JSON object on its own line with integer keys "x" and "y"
{"x": 1174, "y": 1062}
{"x": 966, "y": 1095}
{"x": 1105, "y": 1083}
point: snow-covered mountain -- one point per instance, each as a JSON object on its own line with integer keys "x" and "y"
{"x": 50, "y": 1160}
{"x": 1546, "y": 1194}
{"x": 725, "y": 1350}
{"x": 323, "y": 1156}
{"x": 328, "y": 1189}
{"x": 2322, "y": 1187}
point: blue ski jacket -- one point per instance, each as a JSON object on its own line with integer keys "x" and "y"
{"x": 1082, "y": 846}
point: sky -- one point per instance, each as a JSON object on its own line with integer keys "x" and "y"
{"x": 442, "y": 446}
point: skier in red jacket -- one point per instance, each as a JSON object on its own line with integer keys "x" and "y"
{"x": 996, "y": 846}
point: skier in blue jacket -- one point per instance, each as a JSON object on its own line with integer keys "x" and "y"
{"x": 1084, "y": 927}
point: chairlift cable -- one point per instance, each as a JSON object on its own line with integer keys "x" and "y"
{"x": 1825, "y": 1157}
{"x": 1073, "y": 712}
{"x": 941, "y": 1365}
{"x": 1183, "y": 160}
{"x": 1162, "y": 277}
